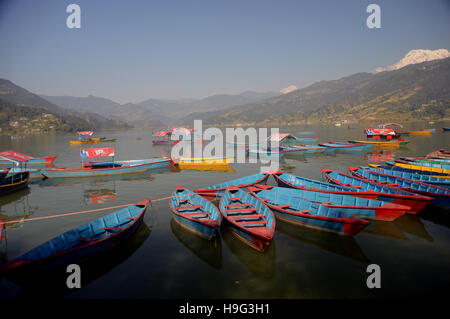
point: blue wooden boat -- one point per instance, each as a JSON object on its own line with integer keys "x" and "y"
{"x": 298, "y": 182}
{"x": 310, "y": 149}
{"x": 442, "y": 182}
{"x": 105, "y": 168}
{"x": 214, "y": 192}
{"x": 441, "y": 195}
{"x": 195, "y": 213}
{"x": 292, "y": 150}
{"x": 250, "y": 220}
{"x": 446, "y": 129}
{"x": 306, "y": 213}
{"x": 345, "y": 147}
{"x": 353, "y": 205}
{"x": 83, "y": 241}
{"x": 104, "y": 171}
{"x": 306, "y": 139}
{"x": 266, "y": 152}
{"x": 398, "y": 196}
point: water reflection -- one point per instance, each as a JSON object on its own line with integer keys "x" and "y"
{"x": 52, "y": 283}
{"x": 412, "y": 224}
{"x": 341, "y": 245}
{"x": 99, "y": 196}
{"x": 209, "y": 251}
{"x": 148, "y": 175}
{"x": 380, "y": 156}
{"x": 262, "y": 265}
{"x": 16, "y": 206}
{"x": 437, "y": 216}
{"x": 385, "y": 229}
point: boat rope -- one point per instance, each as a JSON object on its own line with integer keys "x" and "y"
{"x": 22, "y": 220}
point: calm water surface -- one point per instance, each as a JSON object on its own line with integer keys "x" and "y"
{"x": 163, "y": 260}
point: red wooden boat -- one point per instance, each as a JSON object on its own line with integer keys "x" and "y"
{"x": 415, "y": 201}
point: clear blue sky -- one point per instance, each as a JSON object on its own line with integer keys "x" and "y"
{"x": 132, "y": 50}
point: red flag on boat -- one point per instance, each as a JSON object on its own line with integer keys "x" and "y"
{"x": 97, "y": 152}
{"x": 88, "y": 133}
{"x": 162, "y": 133}
{"x": 16, "y": 156}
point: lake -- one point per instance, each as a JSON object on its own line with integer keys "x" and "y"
{"x": 163, "y": 260}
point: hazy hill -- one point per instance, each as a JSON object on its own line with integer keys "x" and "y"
{"x": 155, "y": 112}
{"x": 18, "y": 98}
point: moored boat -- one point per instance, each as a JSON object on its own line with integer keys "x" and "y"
{"x": 105, "y": 168}
{"x": 441, "y": 153}
{"x": 345, "y": 147}
{"x": 356, "y": 206}
{"x": 309, "y": 214}
{"x": 426, "y": 164}
{"x": 11, "y": 156}
{"x": 403, "y": 169}
{"x": 14, "y": 182}
{"x": 418, "y": 132}
{"x": 398, "y": 196}
{"x": 205, "y": 163}
{"x": 421, "y": 167}
{"x": 34, "y": 173}
{"x": 310, "y": 149}
{"x": 446, "y": 129}
{"x": 83, "y": 241}
{"x": 267, "y": 152}
{"x": 250, "y": 220}
{"x": 442, "y": 182}
{"x": 441, "y": 195}
{"x": 195, "y": 213}
{"x": 390, "y": 143}
{"x": 216, "y": 191}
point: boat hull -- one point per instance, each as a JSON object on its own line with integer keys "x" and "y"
{"x": 215, "y": 192}
{"x": 87, "y": 172}
{"x": 352, "y": 205}
{"x": 416, "y": 202}
{"x": 319, "y": 218}
{"x": 9, "y": 184}
{"x": 59, "y": 257}
{"x": 203, "y": 220}
{"x": 441, "y": 195}
{"x": 250, "y": 230}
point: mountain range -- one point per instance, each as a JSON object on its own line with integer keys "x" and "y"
{"x": 417, "y": 91}
{"x": 156, "y": 112}
{"x": 411, "y": 88}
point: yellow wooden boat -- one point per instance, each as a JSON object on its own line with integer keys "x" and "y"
{"x": 438, "y": 176}
{"x": 424, "y": 168}
{"x": 206, "y": 163}
{"x": 90, "y": 141}
{"x": 419, "y": 132}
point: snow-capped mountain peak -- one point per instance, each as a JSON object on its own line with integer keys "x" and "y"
{"x": 416, "y": 56}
